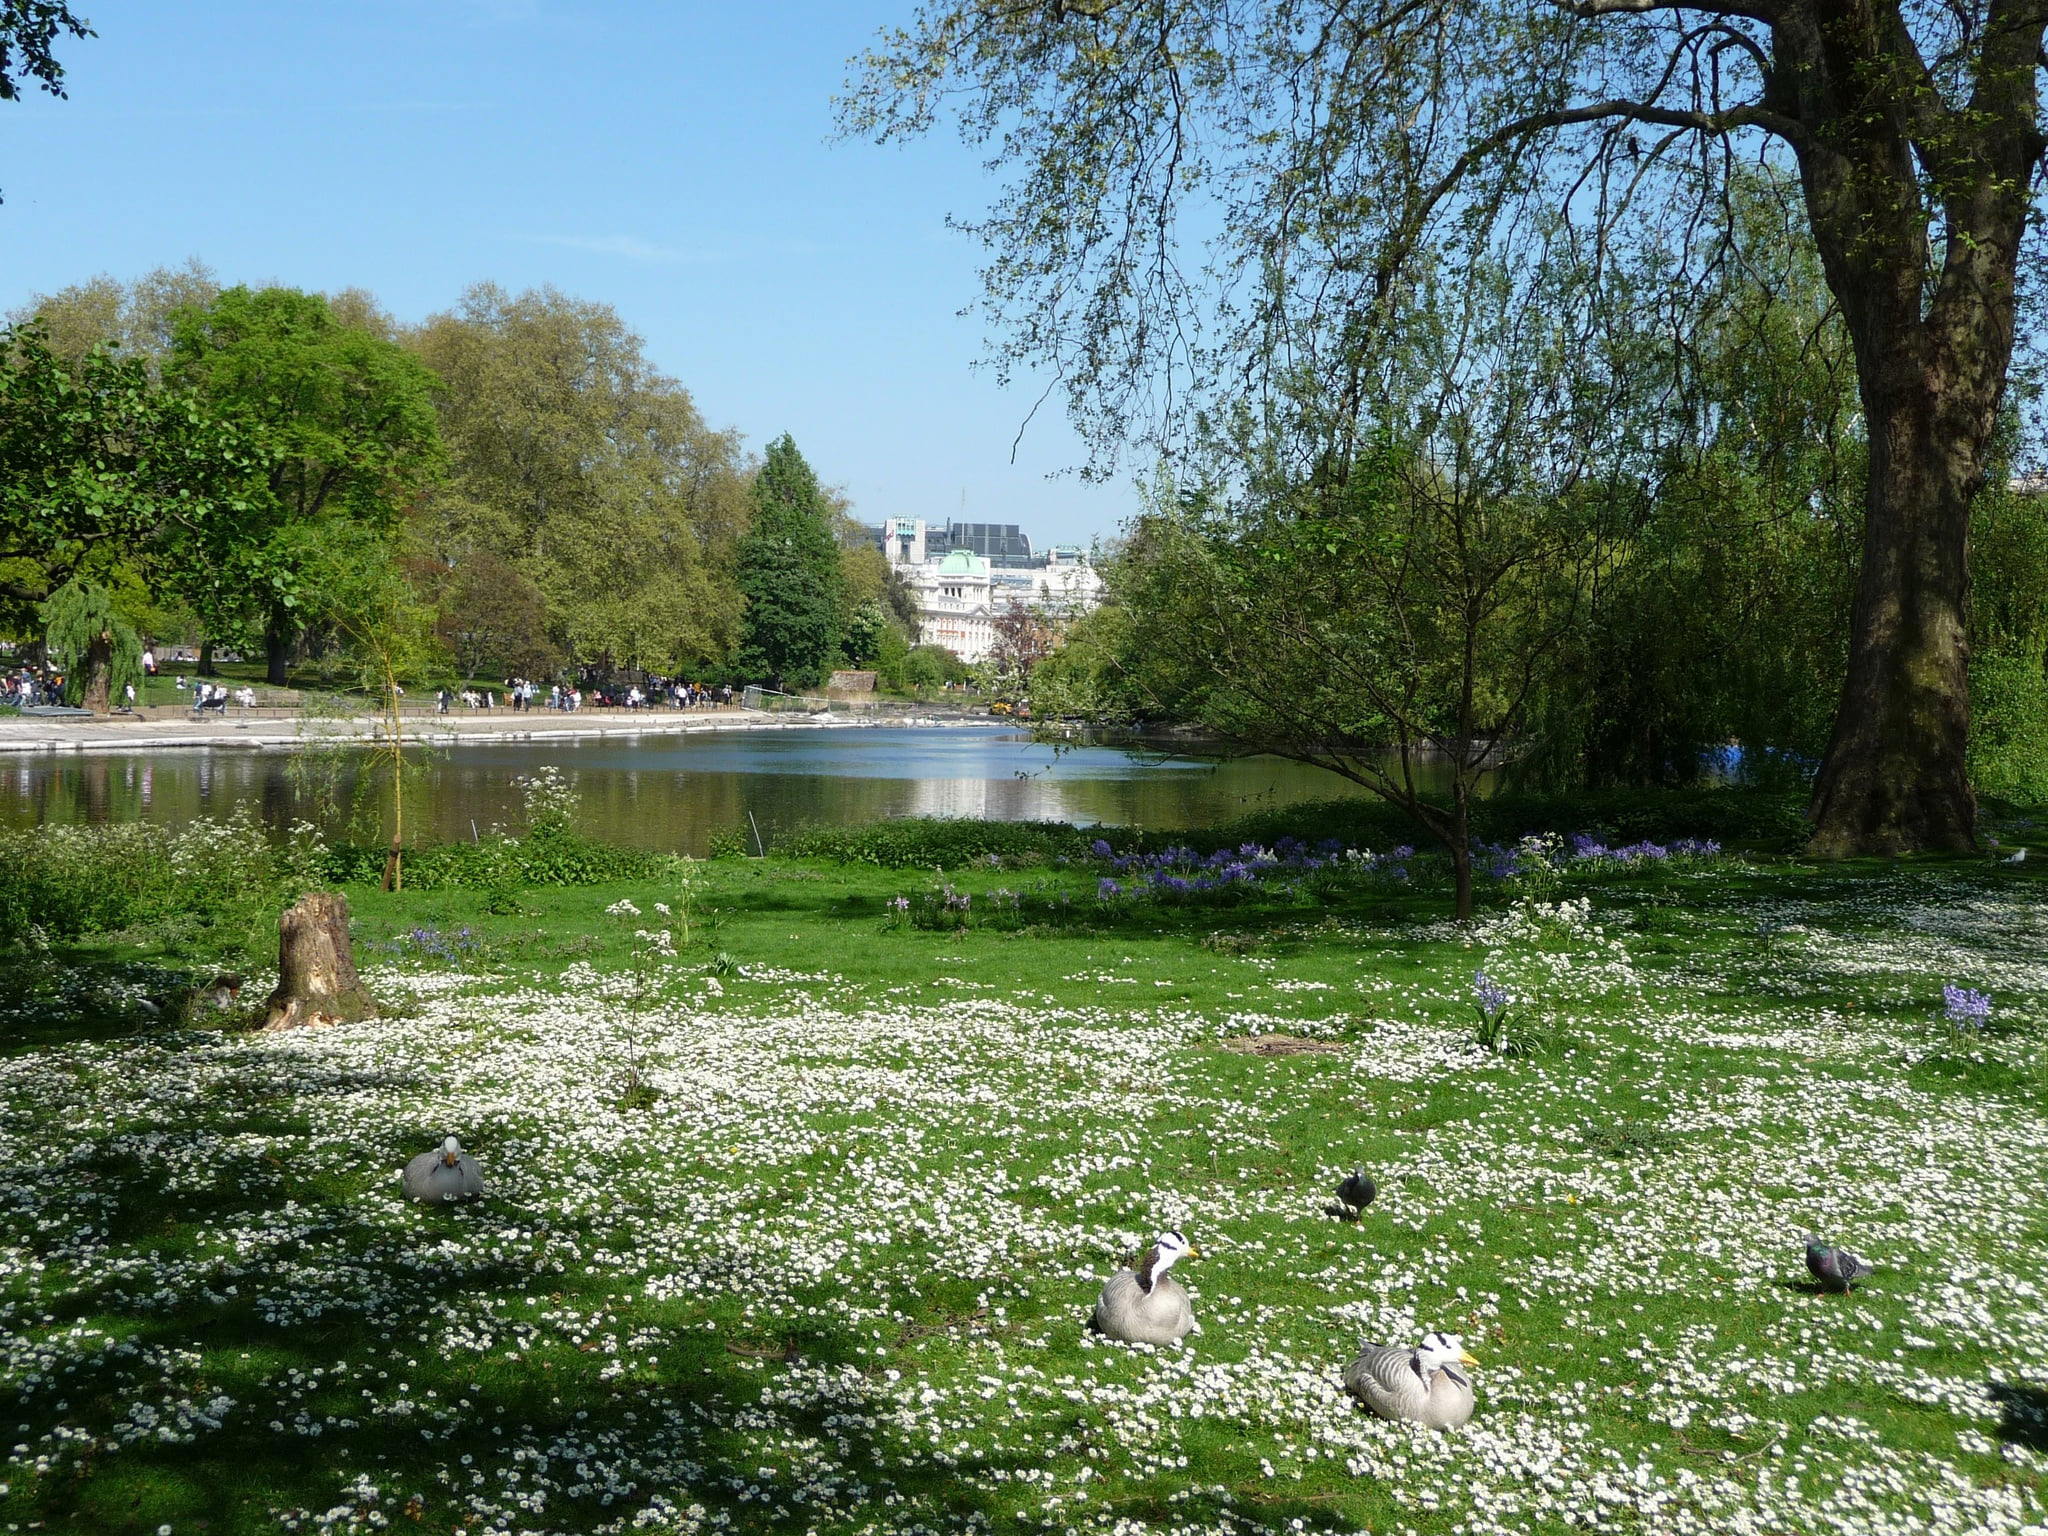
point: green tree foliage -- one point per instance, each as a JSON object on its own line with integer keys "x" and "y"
{"x": 1724, "y": 611}
{"x": 133, "y": 317}
{"x": 1086, "y": 677}
{"x": 348, "y": 420}
{"x": 790, "y": 576}
{"x": 28, "y": 36}
{"x": 891, "y": 659}
{"x": 867, "y": 627}
{"x": 2009, "y": 646}
{"x": 1331, "y": 154}
{"x": 106, "y": 472}
{"x": 928, "y": 668}
{"x": 1367, "y": 605}
{"x": 589, "y": 473}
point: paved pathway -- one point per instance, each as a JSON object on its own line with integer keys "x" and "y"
{"x": 153, "y": 729}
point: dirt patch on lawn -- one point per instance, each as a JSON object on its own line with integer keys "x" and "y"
{"x": 1282, "y": 1045}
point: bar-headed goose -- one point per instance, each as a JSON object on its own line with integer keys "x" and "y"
{"x": 443, "y": 1175}
{"x": 1423, "y": 1385}
{"x": 1146, "y": 1305}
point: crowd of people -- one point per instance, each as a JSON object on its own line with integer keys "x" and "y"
{"x": 212, "y": 697}
{"x": 30, "y": 687}
{"x": 521, "y": 693}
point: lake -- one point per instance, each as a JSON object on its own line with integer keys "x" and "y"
{"x": 673, "y": 792}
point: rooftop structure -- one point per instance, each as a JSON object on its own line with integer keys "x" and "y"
{"x": 1005, "y": 546}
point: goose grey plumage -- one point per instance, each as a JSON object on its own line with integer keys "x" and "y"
{"x": 1837, "y": 1269}
{"x": 1424, "y": 1385}
{"x": 1146, "y": 1305}
{"x": 446, "y": 1174}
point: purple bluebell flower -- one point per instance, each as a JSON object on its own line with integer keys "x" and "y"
{"x": 1967, "y": 1009}
{"x": 1107, "y": 889}
{"x": 1491, "y": 995}
{"x": 1101, "y": 849}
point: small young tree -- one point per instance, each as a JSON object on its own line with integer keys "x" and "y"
{"x": 388, "y": 643}
{"x": 1022, "y": 638}
{"x": 1392, "y": 628}
{"x": 789, "y": 572}
{"x": 1387, "y": 587}
{"x": 97, "y": 649}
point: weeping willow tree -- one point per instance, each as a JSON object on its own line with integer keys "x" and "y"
{"x": 97, "y": 650}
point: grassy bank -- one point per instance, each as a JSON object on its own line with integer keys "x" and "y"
{"x": 796, "y": 1228}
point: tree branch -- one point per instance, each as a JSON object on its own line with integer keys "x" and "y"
{"x": 1597, "y": 8}
{"x": 1714, "y": 123}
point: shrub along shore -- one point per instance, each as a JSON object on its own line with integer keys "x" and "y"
{"x": 804, "y": 1171}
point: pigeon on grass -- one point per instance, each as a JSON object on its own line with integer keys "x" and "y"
{"x": 1837, "y": 1269}
{"x": 1354, "y": 1195}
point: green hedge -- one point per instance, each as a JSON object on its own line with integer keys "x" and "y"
{"x": 927, "y": 842}
{"x": 549, "y": 857}
{"x": 1752, "y": 816}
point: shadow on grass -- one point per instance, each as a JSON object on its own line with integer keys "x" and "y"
{"x": 2022, "y": 1413}
{"x": 161, "y": 1291}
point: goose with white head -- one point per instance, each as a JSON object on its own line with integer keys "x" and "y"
{"x": 1144, "y": 1304}
{"x": 444, "y": 1175}
{"x": 1424, "y": 1385}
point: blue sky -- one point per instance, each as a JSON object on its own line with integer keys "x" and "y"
{"x": 671, "y": 159}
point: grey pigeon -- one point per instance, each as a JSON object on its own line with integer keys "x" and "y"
{"x": 1837, "y": 1269}
{"x": 1354, "y": 1195}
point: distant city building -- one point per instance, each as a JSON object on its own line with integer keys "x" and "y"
{"x": 964, "y": 574}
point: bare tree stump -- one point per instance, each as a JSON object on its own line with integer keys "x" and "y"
{"x": 316, "y": 966}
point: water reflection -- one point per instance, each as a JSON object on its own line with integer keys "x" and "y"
{"x": 674, "y": 791}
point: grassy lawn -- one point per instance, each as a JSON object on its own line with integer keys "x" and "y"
{"x": 798, "y": 1230}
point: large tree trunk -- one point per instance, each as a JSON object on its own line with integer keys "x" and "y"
{"x": 95, "y": 669}
{"x": 206, "y": 668}
{"x": 278, "y": 633}
{"x": 1895, "y": 779}
{"x": 1918, "y": 208}
{"x": 316, "y": 981}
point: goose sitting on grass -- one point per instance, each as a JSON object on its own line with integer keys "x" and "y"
{"x": 444, "y": 1175}
{"x": 1146, "y": 1305}
{"x": 1424, "y": 1385}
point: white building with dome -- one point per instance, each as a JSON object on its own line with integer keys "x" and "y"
{"x": 954, "y": 605}
{"x": 960, "y": 589}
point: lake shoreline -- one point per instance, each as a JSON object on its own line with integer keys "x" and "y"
{"x": 29, "y": 735}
